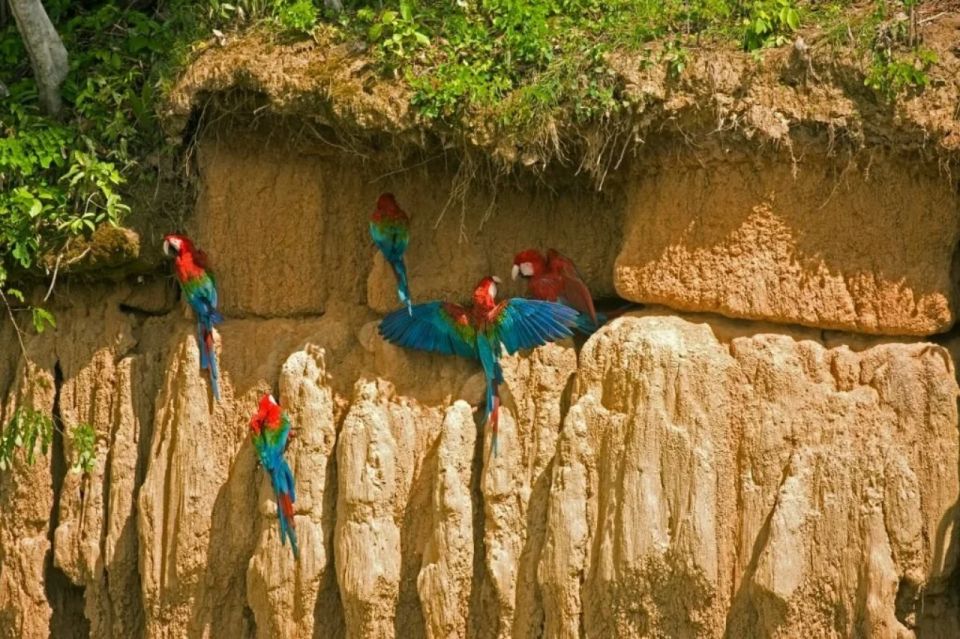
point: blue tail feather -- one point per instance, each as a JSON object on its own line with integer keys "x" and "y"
{"x": 214, "y": 376}
{"x": 492, "y": 412}
{"x": 284, "y": 485}
{"x": 403, "y": 286}
{"x": 495, "y": 427}
{"x": 488, "y": 350}
{"x": 208, "y": 357}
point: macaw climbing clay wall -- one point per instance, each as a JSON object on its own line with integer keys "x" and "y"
{"x": 680, "y": 474}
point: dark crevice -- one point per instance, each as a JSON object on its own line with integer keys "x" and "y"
{"x": 143, "y": 314}
{"x": 249, "y": 622}
{"x": 483, "y": 616}
{"x": 905, "y": 602}
{"x": 106, "y": 484}
{"x": 65, "y": 598}
{"x": 328, "y": 613}
{"x": 249, "y": 315}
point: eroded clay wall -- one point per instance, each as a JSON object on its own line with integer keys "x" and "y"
{"x": 678, "y": 475}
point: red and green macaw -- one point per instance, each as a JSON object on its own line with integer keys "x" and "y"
{"x": 390, "y": 229}
{"x": 555, "y": 278}
{"x": 271, "y": 429}
{"x": 481, "y": 330}
{"x": 200, "y": 289}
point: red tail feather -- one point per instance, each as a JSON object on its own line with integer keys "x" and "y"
{"x": 286, "y": 507}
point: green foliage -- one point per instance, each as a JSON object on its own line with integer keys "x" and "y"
{"x": 395, "y": 32}
{"x": 471, "y": 56}
{"x": 891, "y": 74}
{"x": 29, "y": 428}
{"x": 84, "y": 447}
{"x": 300, "y": 16}
{"x": 61, "y": 178}
{"x": 768, "y": 23}
{"x": 526, "y": 62}
{"x": 675, "y": 56}
{"x": 42, "y": 319}
{"x": 25, "y": 430}
{"x": 898, "y": 63}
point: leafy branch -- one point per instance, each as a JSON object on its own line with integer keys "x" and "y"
{"x": 29, "y": 429}
{"x": 25, "y": 430}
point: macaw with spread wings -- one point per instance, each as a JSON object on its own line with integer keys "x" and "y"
{"x": 482, "y": 330}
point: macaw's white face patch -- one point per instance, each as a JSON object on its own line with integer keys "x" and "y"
{"x": 172, "y": 246}
{"x": 493, "y": 287}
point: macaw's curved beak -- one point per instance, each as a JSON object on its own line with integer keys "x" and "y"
{"x": 515, "y": 271}
{"x": 167, "y": 249}
{"x": 497, "y": 279}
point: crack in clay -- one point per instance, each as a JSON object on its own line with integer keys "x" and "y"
{"x": 106, "y": 514}
{"x": 64, "y": 598}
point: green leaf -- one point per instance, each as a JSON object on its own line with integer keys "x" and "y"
{"x": 84, "y": 446}
{"x": 24, "y": 429}
{"x": 793, "y": 19}
{"x": 42, "y": 318}
{"x": 388, "y": 17}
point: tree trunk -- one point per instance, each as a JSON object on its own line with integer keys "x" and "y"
{"x": 48, "y": 56}
{"x": 333, "y": 5}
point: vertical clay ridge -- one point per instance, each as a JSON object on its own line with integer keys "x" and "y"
{"x": 66, "y": 599}
{"x": 444, "y": 582}
{"x": 482, "y": 612}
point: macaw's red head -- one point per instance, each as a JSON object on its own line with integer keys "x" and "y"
{"x": 268, "y": 414}
{"x": 387, "y": 208}
{"x": 485, "y": 294}
{"x": 176, "y": 245}
{"x": 529, "y": 263}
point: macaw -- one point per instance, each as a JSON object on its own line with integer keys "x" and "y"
{"x": 271, "y": 429}
{"x": 481, "y": 330}
{"x": 200, "y": 289}
{"x": 555, "y": 278}
{"x": 390, "y": 229}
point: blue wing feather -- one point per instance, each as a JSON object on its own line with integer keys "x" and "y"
{"x": 527, "y": 323}
{"x": 586, "y": 325}
{"x": 429, "y": 327}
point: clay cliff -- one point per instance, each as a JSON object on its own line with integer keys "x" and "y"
{"x": 768, "y": 448}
